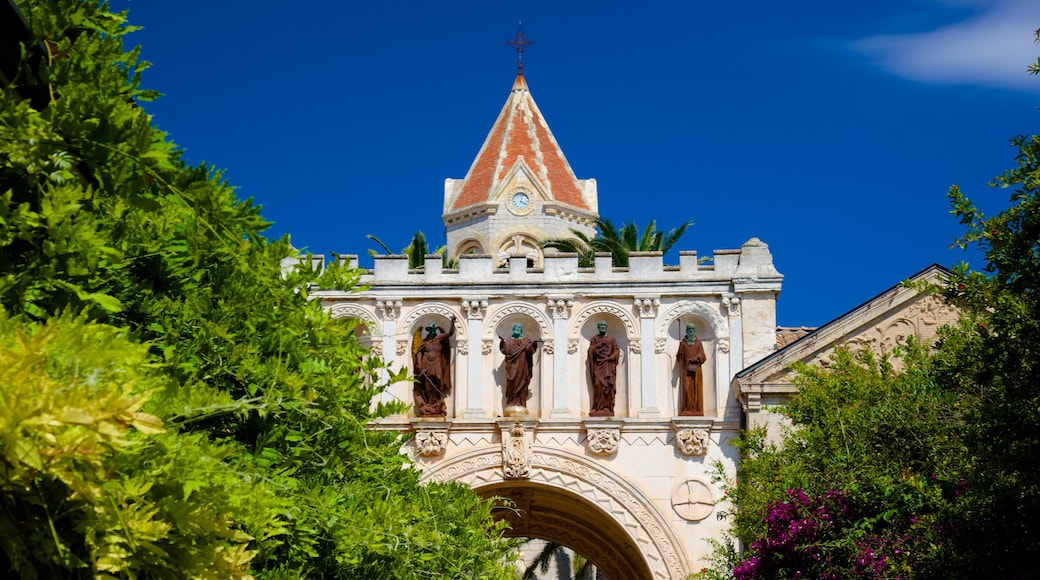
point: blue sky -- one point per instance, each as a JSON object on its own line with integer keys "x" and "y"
{"x": 830, "y": 130}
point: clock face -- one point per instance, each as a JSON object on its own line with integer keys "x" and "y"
{"x": 520, "y": 200}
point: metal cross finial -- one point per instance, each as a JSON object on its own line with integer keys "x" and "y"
{"x": 520, "y": 43}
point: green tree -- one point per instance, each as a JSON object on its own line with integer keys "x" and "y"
{"x": 617, "y": 242}
{"x": 100, "y": 216}
{"x": 416, "y": 250}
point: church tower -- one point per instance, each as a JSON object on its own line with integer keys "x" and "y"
{"x": 519, "y": 190}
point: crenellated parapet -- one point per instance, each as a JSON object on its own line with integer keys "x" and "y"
{"x": 731, "y": 303}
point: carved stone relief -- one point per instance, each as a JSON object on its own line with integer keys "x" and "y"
{"x": 463, "y": 346}
{"x": 732, "y": 304}
{"x": 647, "y": 307}
{"x": 486, "y": 346}
{"x": 475, "y": 309}
{"x": 389, "y": 308}
{"x": 692, "y": 500}
{"x": 636, "y": 346}
{"x": 691, "y": 442}
{"x": 572, "y": 346}
{"x": 516, "y": 453}
{"x": 603, "y": 441}
{"x": 431, "y": 443}
{"x": 559, "y": 308}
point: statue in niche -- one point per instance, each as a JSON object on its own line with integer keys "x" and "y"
{"x": 690, "y": 358}
{"x": 519, "y": 352}
{"x": 603, "y": 360}
{"x": 431, "y": 362}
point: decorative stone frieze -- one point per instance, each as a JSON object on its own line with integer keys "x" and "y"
{"x": 390, "y": 309}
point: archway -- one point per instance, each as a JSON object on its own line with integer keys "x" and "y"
{"x": 578, "y": 502}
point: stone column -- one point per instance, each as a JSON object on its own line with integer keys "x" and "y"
{"x": 474, "y": 309}
{"x": 389, "y": 310}
{"x": 736, "y": 351}
{"x": 559, "y": 309}
{"x": 647, "y": 308}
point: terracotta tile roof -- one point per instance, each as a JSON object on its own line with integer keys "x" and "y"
{"x": 785, "y": 335}
{"x": 520, "y": 132}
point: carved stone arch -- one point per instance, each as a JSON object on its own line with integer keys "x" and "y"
{"x": 510, "y": 308}
{"x": 523, "y": 242}
{"x": 604, "y": 307}
{"x": 476, "y": 243}
{"x": 444, "y": 310}
{"x": 612, "y": 494}
{"x": 367, "y": 317}
{"x": 703, "y": 310}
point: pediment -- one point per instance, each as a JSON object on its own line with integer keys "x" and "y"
{"x": 880, "y": 324}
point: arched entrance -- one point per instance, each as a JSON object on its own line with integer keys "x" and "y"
{"x": 574, "y": 501}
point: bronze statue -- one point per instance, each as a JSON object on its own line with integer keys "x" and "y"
{"x": 603, "y": 360}
{"x": 519, "y": 361}
{"x": 431, "y": 361}
{"x": 691, "y": 383}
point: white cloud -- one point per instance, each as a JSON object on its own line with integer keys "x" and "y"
{"x": 991, "y": 48}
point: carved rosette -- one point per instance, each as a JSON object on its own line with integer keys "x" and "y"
{"x": 516, "y": 453}
{"x": 692, "y": 500}
{"x": 389, "y": 308}
{"x": 691, "y": 442}
{"x": 485, "y": 346}
{"x": 431, "y": 443}
{"x": 474, "y": 308}
{"x": 647, "y": 307}
{"x": 603, "y": 441}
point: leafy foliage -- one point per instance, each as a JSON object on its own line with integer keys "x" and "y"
{"x": 245, "y": 404}
{"x": 617, "y": 242}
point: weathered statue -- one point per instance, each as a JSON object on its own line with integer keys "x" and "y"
{"x": 431, "y": 362}
{"x": 603, "y": 360}
{"x": 519, "y": 361}
{"x": 691, "y": 383}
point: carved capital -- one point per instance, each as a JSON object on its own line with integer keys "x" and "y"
{"x": 402, "y": 347}
{"x": 559, "y": 308}
{"x": 475, "y": 309}
{"x": 732, "y": 304}
{"x": 691, "y": 442}
{"x": 603, "y": 441}
{"x": 486, "y": 346}
{"x": 390, "y": 309}
{"x": 377, "y": 348}
{"x": 636, "y": 346}
{"x": 724, "y": 344}
{"x": 659, "y": 345}
{"x": 463, "y": 347}
{"x": 647, "y": 307}
{"x": 572, "y": 345}
{"x": 431, "y": 443}
{"x": 547, "y": 347}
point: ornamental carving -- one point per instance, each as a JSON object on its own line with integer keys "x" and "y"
{"x": 691, "y": 442}
{"x": 603, "y": 441}
{"x": 463, "y": 346}
{"x": 932, "y": 310}
{"x": 486, "y": 346}
{"x": 605, "y": 308}
{"x": 659, "y": 345}
{"x": 475, "y": 309}
{"x": 377, "y": 348}
{"x": 710, "y": 313}
{"x": 572, "y": 346}
{"x": 692, "y": 500}
{"x": 647, "y": 307}
{"x": 431, "y": 443}
{"x": 547, "y": 347}
{"x": 389, "y": 308}
{"x": 402, "y": 347}
{"x": 724, "y": 345}
{"x": 516, "y": 453}
{"x": 636, "y": 346}
{"x": 560, "y": 308}
{"x": 731, "y": 304}
{"x": 354, "y": 311}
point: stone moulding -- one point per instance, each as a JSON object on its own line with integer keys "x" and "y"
{"x": 610, "y": 492}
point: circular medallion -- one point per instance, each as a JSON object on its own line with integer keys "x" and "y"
{"x": 520, "y": 203}
{"x": 692, "y": 500}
